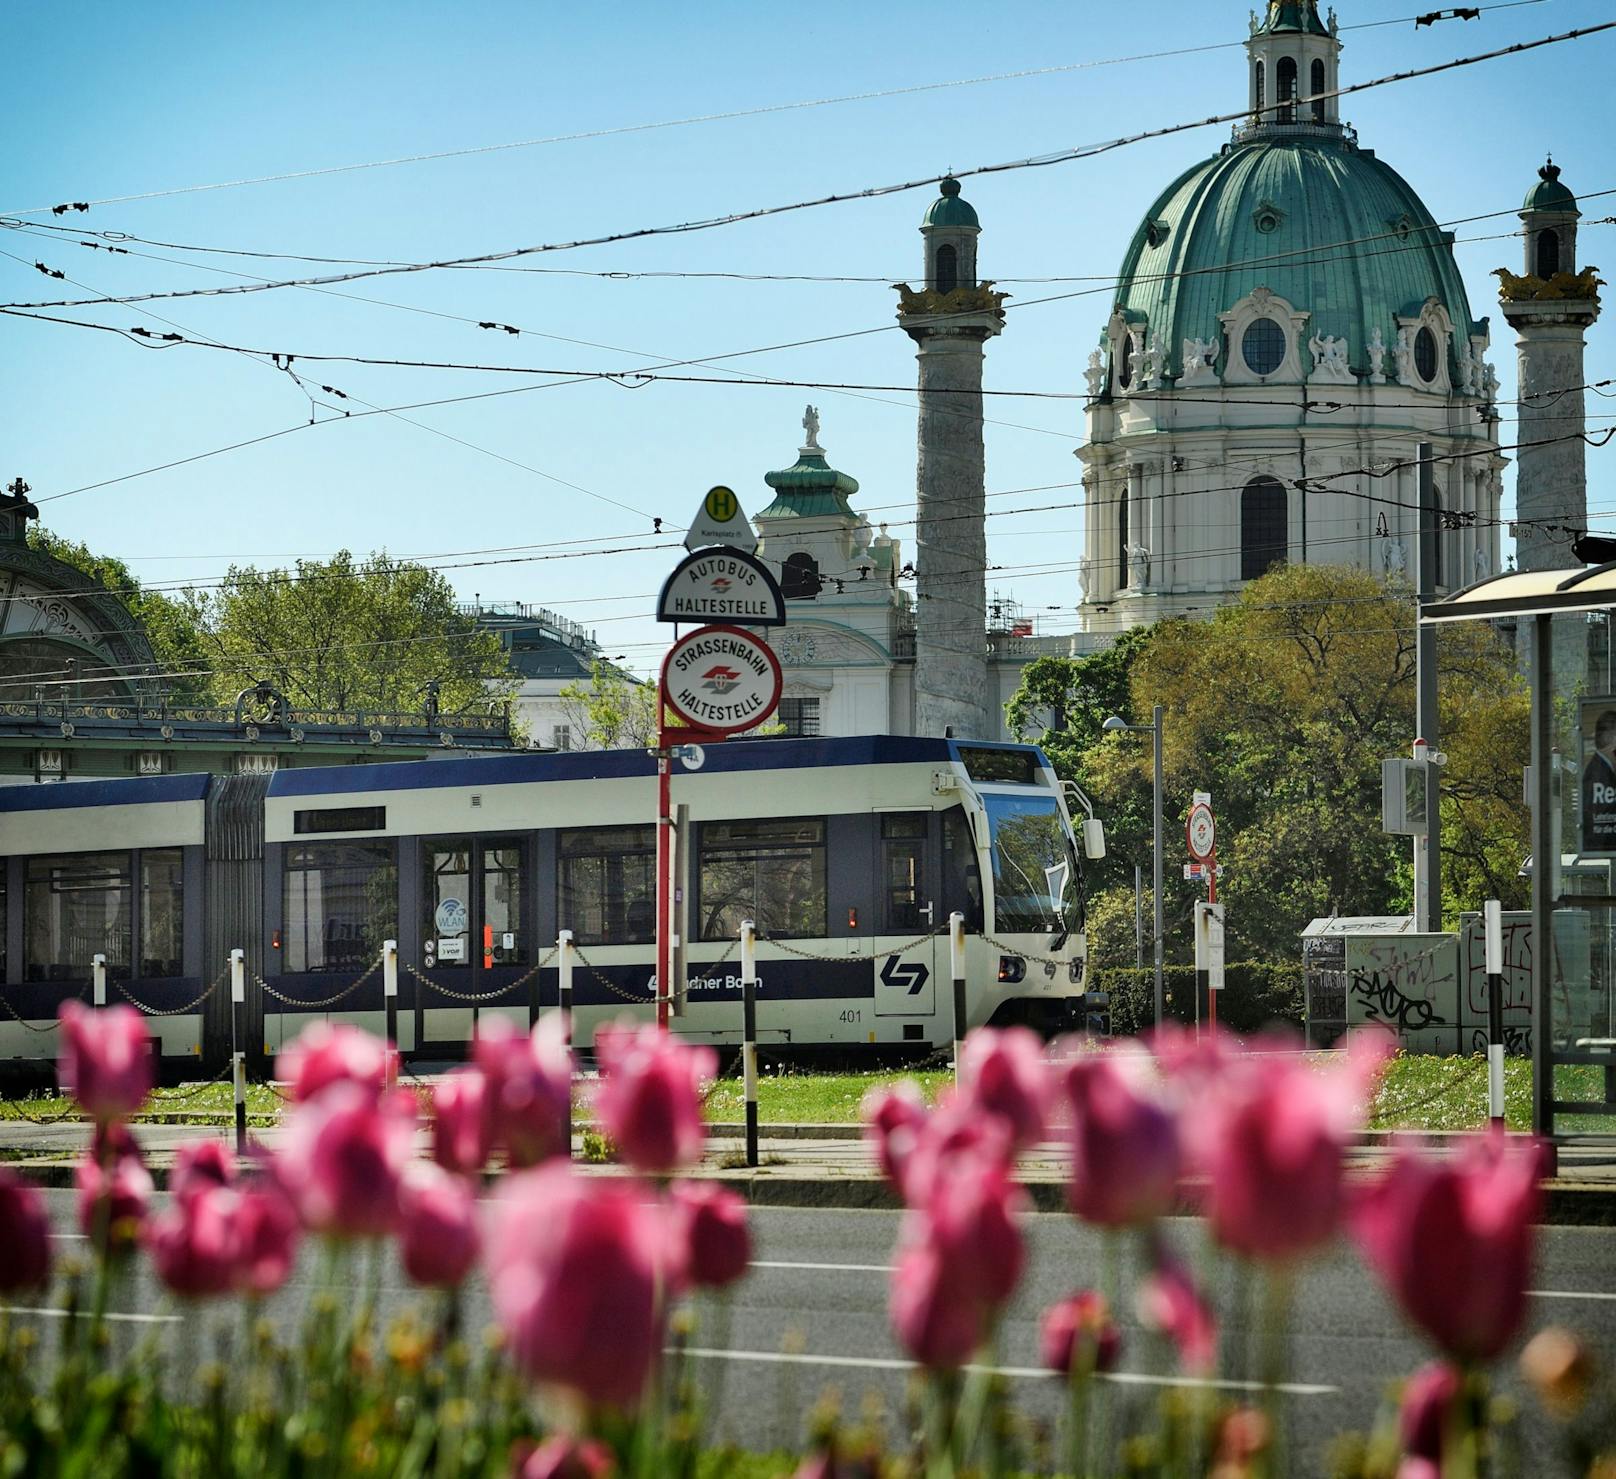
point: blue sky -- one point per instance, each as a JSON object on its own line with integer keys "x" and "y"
{"x": 127, "y": 100}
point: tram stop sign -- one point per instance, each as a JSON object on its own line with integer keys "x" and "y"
{"x": 719, "y": 520}
{"x": 1200, "y": 832}
{"x": 722, "y": 585}
{"x": 721, "y": 679}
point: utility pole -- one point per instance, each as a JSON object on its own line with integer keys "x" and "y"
{"x": 1428, "y": 845}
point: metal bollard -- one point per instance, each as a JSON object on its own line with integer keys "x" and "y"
{"x": 238, "y": 1055}
{"x": 749, "y": 1035}
{"x": 390, "y": 998}
{"x": 98, "y": 973}
{"x": 956, "y": 955}
{"x": 564, "y": 953}
{"x": 1494, "y": 923}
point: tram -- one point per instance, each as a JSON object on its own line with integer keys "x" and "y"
{"x": 849, "y": 854}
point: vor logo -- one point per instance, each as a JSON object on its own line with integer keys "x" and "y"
{"x": 913, "y": 975}
{"x": 720, "y": 679}
{"x": 721, "y": 583}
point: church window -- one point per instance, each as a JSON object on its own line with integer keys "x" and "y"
{"x": 1287, "y": 89}
{"x": 1264, "y": 527}
{"x": 799, "y": 577}
{"x": 1122, "y": 539}
{"x": 1316, "y": 89}
{"x": 1548, "y": 254}
{"x": 1262, "y": 87}
{"x": 1124, "y": 360}
{"x": 1263, "y": 346}
{"x": 947, "y": 269}
{"x": 1425, "y": 353}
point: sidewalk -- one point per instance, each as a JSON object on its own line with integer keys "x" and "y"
{"x": 819, "y": 1166}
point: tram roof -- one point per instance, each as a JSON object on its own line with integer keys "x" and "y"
{"x": 134, "y": 791}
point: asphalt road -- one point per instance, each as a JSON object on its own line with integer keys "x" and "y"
{"x": 811, "y": 1316}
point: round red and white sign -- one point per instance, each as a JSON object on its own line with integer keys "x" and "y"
{"x": 722, "y": 679}
{"x": 1201, "y": 832}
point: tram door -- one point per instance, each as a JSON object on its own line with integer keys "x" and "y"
{"x": 472, "y": 927}
{"x": 907, "y": 907}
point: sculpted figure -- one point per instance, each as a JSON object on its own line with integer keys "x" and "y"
{"x": 1404, "y": 354}
{"x": 1330, "y": 359}
{"x": 1199, "y": 357}
{"x": 1377, "y": 359}
{"x": 1138, "y": 566}
{"x": 1095, "y": 374}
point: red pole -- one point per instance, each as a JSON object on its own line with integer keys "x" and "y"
{"x": 1212, "y": 898}
{"x": 664, "y": 871}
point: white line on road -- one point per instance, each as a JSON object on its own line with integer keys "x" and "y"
{"x": 1569, "y": 1294}
{"x": 71, "y": 1237}
{"x": 51, "y": 1314}
{"x": 855, "y": 1268}
{"x": 890, "y": 1363}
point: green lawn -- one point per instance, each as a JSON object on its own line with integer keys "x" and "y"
{"x": 1419, "y": 1093}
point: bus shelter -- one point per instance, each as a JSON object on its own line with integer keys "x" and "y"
{"x": 1573, "y": 932}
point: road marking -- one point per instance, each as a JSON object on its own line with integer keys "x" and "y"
{"x": 890, "y": 1363}
{"x": 54, "y": 1314}
{"x": 71, "y": 1237}
{"x": 1569, "y": 1294}
{"x": 856, "y": 1268}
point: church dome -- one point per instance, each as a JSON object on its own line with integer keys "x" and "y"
{"x": 1273, "y": 212}
{"x": 1549, "y": 194}
{"x": 951, "y": 208}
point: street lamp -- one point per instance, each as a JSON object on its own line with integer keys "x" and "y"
{"x": 1116, "y": 724}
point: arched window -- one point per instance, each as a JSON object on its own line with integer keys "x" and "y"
{"x": 1263, "y": 346}
{"x": 1316, "y": 89}
{"x": 1286, "y": 92}
{"x": 1425, "y": 353}
{"x": 1548, "y": 254}
{"x": 799, "y": 577}
{"x": 1122, "y": 539}
{"x": 1124, "y": 360}
{"x": 947, "y": 269}
{"x": 1264, "y": 527}
{"x": 1262, "y": 88}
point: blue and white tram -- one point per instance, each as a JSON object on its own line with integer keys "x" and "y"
{"x": 850, "y": 855}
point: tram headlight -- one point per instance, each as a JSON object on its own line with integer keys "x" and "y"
{"x": 1012, "y": 968}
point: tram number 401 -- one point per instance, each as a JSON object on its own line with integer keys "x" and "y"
{"x": 850, "y": 1016}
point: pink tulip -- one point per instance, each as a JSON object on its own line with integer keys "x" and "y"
{"x": 893, "y": 1118}
{"x": 1429, "y": 1396}
{"x": 576, "y": 1268}
{"x": 438, "y": 1240}
{"x": 1004, "y": 1074}
{"x": 1080, "y": 1331}
{"x": 933, "y": 1324}
{"x": 106, "y": 1061}
{"x": 194, "y": 1241}
{"x": 952, "y": 1140}
{"x": 649, "y": 1098}
{"x": 712, "y": 1230}
{"x": 327, "y": 1053}
{"x": 529, "y": 1086}
{"x": 1125, "y": 1156}
{"x": 113, "y": 1194}
{"x": 200, "y": 1165}
{"x": 563, "y": 1458}
{"x": 24, "y": 1235}
{"x": 342, "y": 1158}
{"x": 462, "y": 1122}
{"x": 1455, "y": 1243}
{"x": 1170, "y": 1303}
{"x": 1271, "y": 1139}
{"x": 266, "y": 1240}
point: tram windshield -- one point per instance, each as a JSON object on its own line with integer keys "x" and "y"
{"x": 1035, "y": 874}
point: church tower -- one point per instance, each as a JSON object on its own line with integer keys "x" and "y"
{"x": 951, "y": 319}
{"x": 1550, "y": 307}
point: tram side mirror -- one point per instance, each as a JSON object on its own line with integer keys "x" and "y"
{"x": 1093, "y": 838}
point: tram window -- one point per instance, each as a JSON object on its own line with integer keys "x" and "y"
{"x": 999, "y": 766}
{"x": 446, "y": 901}
{"x": 962, "y": 876}
{"x": 771, "y": 871}
{"x": 504, "y": 888}
{"x": 607, "y": 885}
{"x": 341, "y": 903}
{"x": 903, "y": 869}
{"x": 162, "y": 913}
{"x": 75, "y": 907}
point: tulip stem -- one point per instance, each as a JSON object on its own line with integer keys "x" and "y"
{"x": 1275, "y": 1359}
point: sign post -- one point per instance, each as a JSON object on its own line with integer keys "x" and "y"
{"x": 1201, "y": 836}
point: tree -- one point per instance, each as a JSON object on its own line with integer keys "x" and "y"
{"x": 171, "y": 626}
{"x": 611, "y": 712}
{"x": 342, "y": 634}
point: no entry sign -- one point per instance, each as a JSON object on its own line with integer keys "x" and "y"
{"x": 721, "y": 679}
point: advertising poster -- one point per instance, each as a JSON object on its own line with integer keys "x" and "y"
{"x": 1598, "y": 778}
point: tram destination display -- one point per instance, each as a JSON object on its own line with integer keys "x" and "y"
{"x": 721, "y": 679}
{"x": 722, "y": 585}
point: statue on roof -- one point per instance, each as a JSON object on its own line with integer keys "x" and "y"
{"x": 810, "y": 424}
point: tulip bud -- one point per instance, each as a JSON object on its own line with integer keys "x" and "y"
{"x": 105, "y": 1061}
{"x": 327, "y": 1053}
{"x": 1170, "y": 1302}
{"x": 462, "y": 1122}
{"x": 266, "y": 1241}
{"x": 649, "y": 1097}
{"x": 563, "y": 1458}
{"x": 893, "y": 1117}
{"x": 711, "y": 1223}
{"x": 114, "y": 1195}
{"x": 200, "y": 1165}
{"x": 193, "y": 1242}
{"x": 1125, "y": 1156}
{"x": 342, "y": 1157}
{"x": 24, "y": 1235}
{"x": 529, "y": 1087}
{"x": 1422, "y": 1420}
{"x": 1003, "y": 1073}
{"x": 438, "y": 1240}
{"x": 1079, "y": 1336}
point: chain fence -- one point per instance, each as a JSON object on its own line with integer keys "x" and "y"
{"x": 190, "y": 1006}
{"x": 873, "y": 954}
{"x": 324, "y": 1001}
{"x": 608, "y": 985}
{"x": 478, "y": 997}
{"x": 24, "y": 1023}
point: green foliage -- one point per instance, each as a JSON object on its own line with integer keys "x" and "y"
{"x": 611, "y": 711}
{"x": 1256, "y": 994}
{"x": 171, "y": 625}
{"x": 349, "y": 634}
{"x": 1283, "y": 705}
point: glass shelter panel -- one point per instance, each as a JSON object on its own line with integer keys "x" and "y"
{"x": 1582, "y": 1016}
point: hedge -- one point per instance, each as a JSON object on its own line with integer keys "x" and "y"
{"x": 1256, "y": 994}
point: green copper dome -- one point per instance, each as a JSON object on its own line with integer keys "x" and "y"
{"x": 1549, "y": 194}
{"x": 1274, "y": 213}
{"x": 810, "y": 489}
{"x": 950, "y": 209}
{"x": 1292, "y": 15}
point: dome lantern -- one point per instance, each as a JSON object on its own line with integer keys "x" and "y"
{"x": 950, "y": 230}
{"x": 1550, "y": 215}
{"x": 1294, "y": 57}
